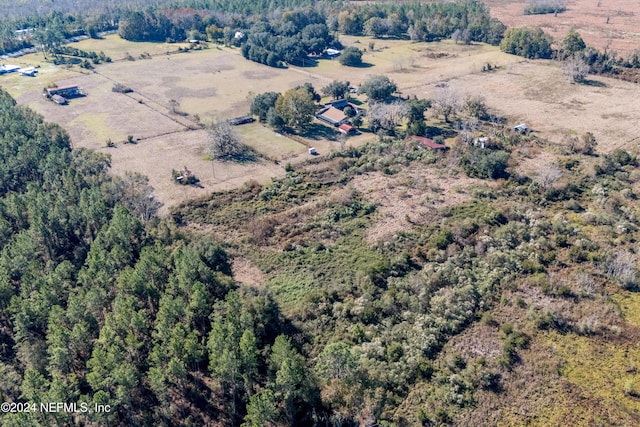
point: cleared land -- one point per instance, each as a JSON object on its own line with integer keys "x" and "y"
{"x": 209, "y": 84}
{"x": 535, "y": 92}
{"x": 217, "y": 83}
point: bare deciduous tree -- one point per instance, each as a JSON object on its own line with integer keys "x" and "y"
{"x": 223, "y": 142}
{"x": 134, "y": 192}
{"x": 547, "y": 175}
{"x": 621, "y": 268}
{"x": 468, "y": 128}
{"x": 387, "y": 116}
{"x": 576, "y": 69}
{"x": 447, "y": 102}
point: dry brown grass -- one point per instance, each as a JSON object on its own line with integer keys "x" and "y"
{"x": 411, "y": 197}
{"x": 602, "y": 24}
{"x": 246, "y": 273}
{"x": 536, "y": 92}
{"x": 156, "y": 157}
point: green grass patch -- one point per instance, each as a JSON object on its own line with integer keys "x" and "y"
{"x": 629, "y": 304}
{"x": 602, "y": 370}
{"x": 269, "y": 143}
{"x": 96, "y": 123}
{"x": 339, "y": 267}
{"x": 116, "y": 47}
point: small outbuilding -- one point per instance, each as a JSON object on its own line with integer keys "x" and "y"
{"x": 346, "y": 129}
{"x": 332, "y": 53}
{"x": 242, "y": 120}
{"x": 428, "y": 143}
{"x": 28, "y": 71}
{"x": 521, "y": 128}
{"x": 59, "y": 100}
{"x": 8, "y": 68}
{"x": 65, "y": 91}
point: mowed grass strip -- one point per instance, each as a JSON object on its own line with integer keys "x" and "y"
{"x": 116, "y": 48}
{"x": 269, "y": 143}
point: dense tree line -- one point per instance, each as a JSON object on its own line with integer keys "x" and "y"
{"x": 102, "y": 303}
{"x": 421, "y": 21}
{"x": 290, "y": 39}
{"x": 276, "y": 32}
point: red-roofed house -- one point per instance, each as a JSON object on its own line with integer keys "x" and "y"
{"x": 429, "y": 143}
{"x": 347, "y": 129}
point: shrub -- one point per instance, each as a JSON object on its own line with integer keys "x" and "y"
{"x": 537, "y": 7}
{"x": 621, "y": 268}
{"x": 120, "y": 88}
{"x": 529, "y": 42}
{"x": 484, "y": 163}
{"x": 442, "y": 239}
{"x": 351, "y": 57}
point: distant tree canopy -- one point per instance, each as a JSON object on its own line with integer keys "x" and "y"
{"x": 148, "y": 26}
{"x": 262, "y": 103}
{"x": 298, "y": 34}
{"x": 536, "y": 7}
{"x": 275, "y": 32}
{"x": 572, "y": 43}
{"x": 529, "y": 42}
{"x": 378, "y": 88}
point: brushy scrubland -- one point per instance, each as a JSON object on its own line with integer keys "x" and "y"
{"x": 441, "y": 322}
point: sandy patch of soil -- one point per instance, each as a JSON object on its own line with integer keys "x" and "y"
{"x": 412, "y": 197}
{"x": 246, "y": 273}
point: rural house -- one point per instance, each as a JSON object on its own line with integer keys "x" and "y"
{"x": 332, "y": 116}
{"x": 341, "y": 104}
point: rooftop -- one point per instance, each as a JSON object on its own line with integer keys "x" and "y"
{"x": 332, "y": 115}
{"x": 428, "y": 142}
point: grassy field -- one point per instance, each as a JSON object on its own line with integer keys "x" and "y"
{"x": 117, "y": 48}
{"x": 604, "y": 25}
{"x": 269, "y": 143}
{"x": 218, "y": 83}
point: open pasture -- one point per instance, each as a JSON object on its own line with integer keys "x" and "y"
{"x": 156, "y": 157}
{"x": 268, "y": 143}
{"x": 117, "y": 48}
{"x": 218, "y": 83}
{"x": 614, "y": 25}
{"x": 212, "y": 84}
{"x": 537, "y": 92}
{"x": 411, "y": 64}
